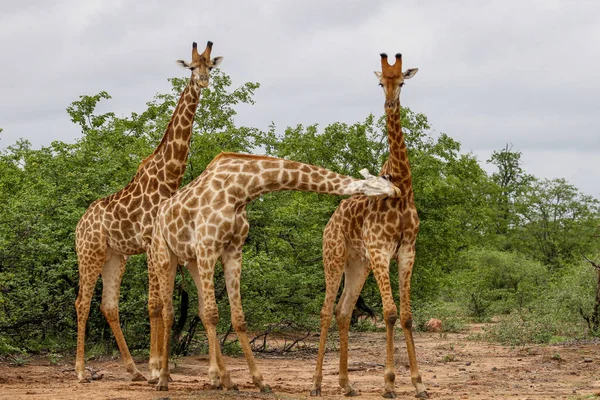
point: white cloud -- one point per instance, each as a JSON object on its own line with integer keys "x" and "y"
{"x": 523, "y": 72}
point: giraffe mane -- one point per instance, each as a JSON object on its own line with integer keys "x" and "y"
{"x": 242, "y": 156}
{"x": 162, "y": 141}
{"x": 156, "y": 150}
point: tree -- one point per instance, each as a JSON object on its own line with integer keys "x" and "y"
{"x": 555, "y": 221}
{"x": 45, "y": 191}
{"x": 511, "y": 180}
{"x": 593, "y": 318}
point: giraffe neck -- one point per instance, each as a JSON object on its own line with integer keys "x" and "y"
{"x": 169, "y": 159}
{"x": 397, "y": 165}
{"x": 260, "y": 174}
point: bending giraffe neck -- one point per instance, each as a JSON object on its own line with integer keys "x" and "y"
{"x": 170, "y": 156}
{"x": 261, "y": 174}
{"x": 397, "y": 165}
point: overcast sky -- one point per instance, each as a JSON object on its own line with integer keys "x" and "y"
{"x": 490, "y": 72}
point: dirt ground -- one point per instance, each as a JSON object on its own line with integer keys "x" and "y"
{"x": 453, "y": 367}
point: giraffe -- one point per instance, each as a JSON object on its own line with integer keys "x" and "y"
{"x": 363, "y": 235}
{"x": 206, "y": 221}
{"x": 120, "y": 225}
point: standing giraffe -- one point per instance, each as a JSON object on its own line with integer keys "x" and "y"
{"x": 206, "y": 221}
{"x": 120, "y": 225}
{"x": 364, "y": 234}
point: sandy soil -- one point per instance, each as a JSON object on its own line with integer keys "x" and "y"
{"x": 452, "y": 365}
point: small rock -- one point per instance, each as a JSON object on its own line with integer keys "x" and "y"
{"x": 468, "y": 363}
{"x": 462, "y": 369}
{"x": 494, "y": 369}
{"x": 434, "y": 325}
{"x": 588, "y": 360}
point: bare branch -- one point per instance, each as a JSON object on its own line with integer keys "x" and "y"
{"x": 593, "y": 263}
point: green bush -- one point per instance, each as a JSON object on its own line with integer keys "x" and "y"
{"x": 573, "y": 293}
{"x": 450, "y": 314}
{"x": 519, "y": 330}
{"x": 492, "y": 282}
{"x": 44, "y": 192}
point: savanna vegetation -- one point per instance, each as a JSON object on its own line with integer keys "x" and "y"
{"x": 506, "y": 246}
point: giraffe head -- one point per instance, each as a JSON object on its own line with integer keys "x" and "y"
{"x": 201, "y": 64}
{"x": 376, "y": 185}
{"x": 391, "y": 78}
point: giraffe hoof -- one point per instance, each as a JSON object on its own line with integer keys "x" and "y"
{"x": 352, "y": 393}
{"x": 216, "y": 387}
{"x": 162, "y": 388}
{"x": 152, "y": 381}
{"x": 139, "y": 378}
{"x": 85, "y": 380}
{"x": 390, "y": 395}
{"x": 315, "y": 392}
{"x": 266, "y": 389}
{"x": 422, "y": 395}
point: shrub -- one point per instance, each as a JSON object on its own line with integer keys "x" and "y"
{"x": 492, "y": 282}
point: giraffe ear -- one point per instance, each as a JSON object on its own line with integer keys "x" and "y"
{"x": 216, "y": 61}
{"x": 409, "y": 73}
{"x": 378, "y": 76}
{"x": 183, "y": 64}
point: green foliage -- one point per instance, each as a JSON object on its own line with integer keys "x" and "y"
{"x": 54, "y": 358}
{"x": 502, "y": 244}
{"x": 571, "y": 298}
{"x": 367, "y": 325}
{"x": 45, "y": 191}
{"x": 493, "y": 282}
{"x": 7, "y": 348}
{"x": 510, "y": 182}
{"x": 18, "y": 360}
{"x": 518, "y": 331}
{"x": 556, "y": 222}
{"x": 449, "y": 313}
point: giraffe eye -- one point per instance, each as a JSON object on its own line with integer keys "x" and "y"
{"x": 402, "y": 84}
{"x": 380, "y": 84}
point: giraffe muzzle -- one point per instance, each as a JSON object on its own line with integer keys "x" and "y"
{"x": 392, "y": 103}
{"x": 202, "y": 80}
{"x": 379, "y": 186}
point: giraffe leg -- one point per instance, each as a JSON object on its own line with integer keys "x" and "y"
{"x": 380, "y": 266}
{"x": 112, "y": 273}
{"x": 355, "y": 275}
{"x": 156, "y": 323}
{"x": 165, "y": 266}
{"x": 223, "y": 373}
{"x": 90, "y": 267}
{"x": 232, "y": 268}
{"x": 406, "y": 261}
{"x": 206, "y": 259}
{"x": 334, "y": 268}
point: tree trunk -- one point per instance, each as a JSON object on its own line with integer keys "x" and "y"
{"x": 596, "y": 314}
